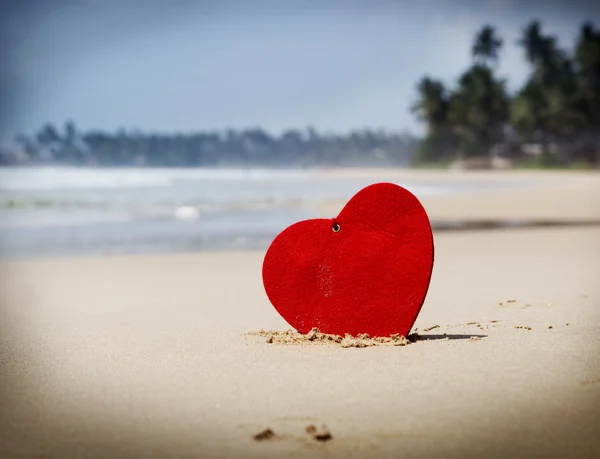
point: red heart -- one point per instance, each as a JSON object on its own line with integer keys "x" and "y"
{"x": 371, "y": 276}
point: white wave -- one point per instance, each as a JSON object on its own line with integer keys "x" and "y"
{"x": 72, "y": 178}
{"x": 50, "y": 218}
{"x": 187, "y": 213}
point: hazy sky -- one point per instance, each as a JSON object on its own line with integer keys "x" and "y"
{"x": 197, "y": 65}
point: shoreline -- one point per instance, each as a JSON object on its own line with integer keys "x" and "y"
{"x": 481, "y": 201}
{"x": 441, "y": 226}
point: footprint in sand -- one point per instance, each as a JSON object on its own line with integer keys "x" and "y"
{"x": 306, "y": 429}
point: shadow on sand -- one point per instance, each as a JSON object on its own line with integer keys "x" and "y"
{"x": 443, "y": 336}
{"x": 492, "y": 224}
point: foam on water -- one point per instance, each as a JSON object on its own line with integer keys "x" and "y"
{"x": 72, "y": 178}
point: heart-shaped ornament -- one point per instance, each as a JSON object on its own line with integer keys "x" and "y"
{"x": 366, "y": 271}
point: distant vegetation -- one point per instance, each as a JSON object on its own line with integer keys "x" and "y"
{"x": 252, "y": 147}
{"x": 552, "y": 121}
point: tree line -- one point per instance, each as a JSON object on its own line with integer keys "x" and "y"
{"x": 556, "y": 110}
{"x": 251, "y": 147}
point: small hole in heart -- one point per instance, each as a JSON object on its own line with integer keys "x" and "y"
{"x": 336, "y": 227}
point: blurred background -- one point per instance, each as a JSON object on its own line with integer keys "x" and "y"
{"x": 167, "y": 126}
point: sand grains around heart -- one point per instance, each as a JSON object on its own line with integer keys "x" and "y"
{"x": 315, "y": 337}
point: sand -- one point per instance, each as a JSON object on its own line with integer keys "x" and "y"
{"x": 565, "y": 195}
{"x": 314, "y": 336}
{"x": 154, "y": 356}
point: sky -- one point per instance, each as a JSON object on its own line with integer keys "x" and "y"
{"x": 184, "y": 65}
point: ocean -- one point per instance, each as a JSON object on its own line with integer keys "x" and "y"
{"x": 67, "y": 212}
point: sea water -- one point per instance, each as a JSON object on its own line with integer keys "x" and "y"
{"x": 48, "y": 212}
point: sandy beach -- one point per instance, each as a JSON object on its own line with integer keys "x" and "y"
{"x": 156, "y": 355}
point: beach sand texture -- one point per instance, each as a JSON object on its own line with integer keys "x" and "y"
{"x": 158, "y": 355}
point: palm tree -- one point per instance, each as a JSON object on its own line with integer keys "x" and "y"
{"x": 432, "y": 105}
{"x": 528, "y": 112}
{"x": 587, "y": 68}
{"x": 479, "y": 110}
{"x": 533, "y": 42}
{"x": 546, "y": 108}
{"x": 587, "y": 60}
{"x": 542, "y": 52}
{"x": 487, "y": 45}
{"x": 432, "y": 109}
